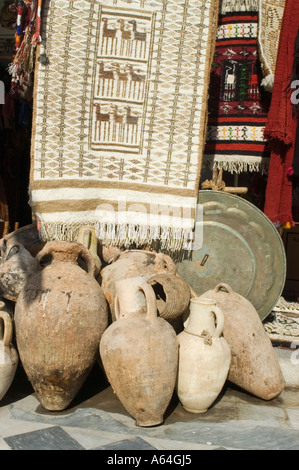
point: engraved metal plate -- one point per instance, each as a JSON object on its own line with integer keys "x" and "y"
{"x": 241, "y": 247}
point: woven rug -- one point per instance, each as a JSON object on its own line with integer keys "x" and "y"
{"x": 238, "y": 105}
{"x": 270, "y": 20}
{"x": 282, "y": 325}
{"x": 120, "y": 118}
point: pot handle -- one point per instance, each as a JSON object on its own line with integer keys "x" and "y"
{"x": 224, "y": 286}
{"x": 151, "y": 301}
{"x": 68, "y": 252}
{"x": 219, "y": 320}
{"x": 8, "y": 330}
{"x": 116, "y": 307}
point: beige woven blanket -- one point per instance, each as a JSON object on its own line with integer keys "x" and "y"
{"x": 120, "y": 118}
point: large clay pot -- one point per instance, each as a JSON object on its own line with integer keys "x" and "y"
{"x": 60, "y": 317}
{"x": 132, "y": 263}
{"x": 9, "y": 358}
{"x": 140, "y": 357}
{"x": 204, "y": 357}
{"x": 254, "y": 367}
{"x": 16, "y": 265}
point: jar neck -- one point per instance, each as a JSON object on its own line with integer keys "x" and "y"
{"x": 201, "y": 317}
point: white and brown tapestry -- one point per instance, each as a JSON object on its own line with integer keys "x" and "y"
{"x": 120, "y": 118}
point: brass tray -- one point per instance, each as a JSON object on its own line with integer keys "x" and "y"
{"x": 240, "y": 247}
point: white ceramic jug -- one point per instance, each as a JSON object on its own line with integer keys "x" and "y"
{"x": 204, "y": 356}
{"x": 8, "y": 355}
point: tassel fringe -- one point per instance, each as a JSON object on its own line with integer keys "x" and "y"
{"x": 171, "y": 240}
{"x": 237, "y": 166}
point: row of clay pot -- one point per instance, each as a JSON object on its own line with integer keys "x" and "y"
{"x": 68, "y": 310}
{"x": 61, "y": 311}
{"x": 144, "y": 362}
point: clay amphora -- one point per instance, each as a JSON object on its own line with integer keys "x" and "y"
{"x": 254, "y": 367}
{"x": 60, "y": 317}
{"x": 16, "y": 265}
{"x": 140, "y": 356}
{"x": 9, "y": 358}
{"x": 132, "y": 263}
{"x": 172, "y": 295}
{"x": 204, "y": 357}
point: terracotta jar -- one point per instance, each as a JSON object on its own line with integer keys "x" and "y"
{"x": 140, "y": 356}
{"x": 132, "y": 263}
{"x": 9, "y": 358}
{"x": 204, "y": 356}
{"x": 16, "y": 265}
{"x": 60, "y": 317}
{"x": 255, "y": 367}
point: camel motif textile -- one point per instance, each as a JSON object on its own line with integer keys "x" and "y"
{"x": 120, "y": 118}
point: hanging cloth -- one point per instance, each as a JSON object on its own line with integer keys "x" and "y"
{"x": 238, "y": 104}
{"x": 281, "y": 126}
{"x": 270, "y": 19}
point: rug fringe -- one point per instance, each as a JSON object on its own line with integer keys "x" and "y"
{"x": 170, "y": 239}
{"x": 236, "y": 166}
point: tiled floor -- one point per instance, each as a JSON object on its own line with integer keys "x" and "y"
{"x": 96, "y": 420}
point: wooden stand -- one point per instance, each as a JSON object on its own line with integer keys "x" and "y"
{"x": 217, "y": 184}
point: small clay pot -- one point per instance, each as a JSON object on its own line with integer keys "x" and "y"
{"x": 28, "y": 236}
{"x": 172, "y": 294}
{"x": 9, "y": 358}
{"x": 129, "y": 264}
{"x": 204, "y": 356}
{"x": 16, "y": 266}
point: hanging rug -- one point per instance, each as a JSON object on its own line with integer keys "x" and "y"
{"x": 238, "y": 105}
{"x": 282, "y": 325}
{"x": 120, "y": 118}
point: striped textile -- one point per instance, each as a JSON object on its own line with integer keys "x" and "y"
{"x": 238, "y": 105}
{"x": 120, "y": 115}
